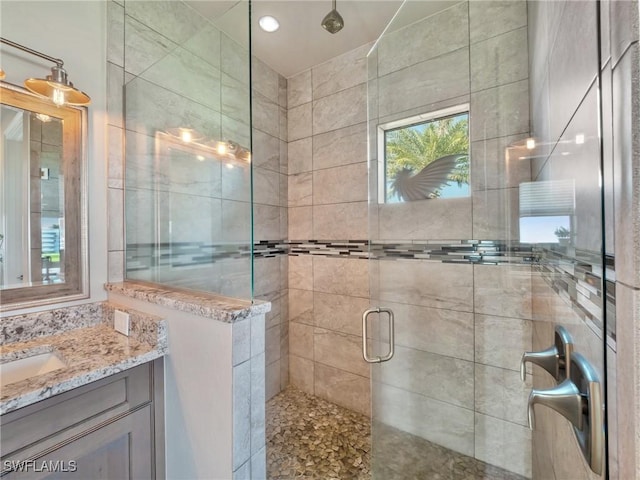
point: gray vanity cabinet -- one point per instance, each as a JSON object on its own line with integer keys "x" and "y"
{"x": 109, "y": 429}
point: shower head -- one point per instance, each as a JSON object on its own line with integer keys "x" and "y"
{"x": 333, "y": 21}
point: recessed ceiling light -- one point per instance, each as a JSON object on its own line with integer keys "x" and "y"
{"x": 269, "y": 23}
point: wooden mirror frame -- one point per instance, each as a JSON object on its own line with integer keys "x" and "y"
{"x": 73, "y": 167}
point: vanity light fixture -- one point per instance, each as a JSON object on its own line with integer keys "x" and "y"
{"x": 2, "y": 74}
{"x": 269, "y": 24}
{"x": 187, "y": 135}
{"x": 56, "y": 86}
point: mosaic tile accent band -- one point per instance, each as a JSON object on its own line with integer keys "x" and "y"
{"x": 575, "y": 275}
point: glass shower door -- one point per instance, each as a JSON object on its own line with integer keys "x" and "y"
{"x": 485, "y": 235}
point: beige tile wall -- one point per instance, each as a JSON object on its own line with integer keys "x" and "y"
{"x": 564, "y": 66}
{"x": 328, "y": 201}
{"x": 154, "y": 48}
{"x": 461, "y": 329}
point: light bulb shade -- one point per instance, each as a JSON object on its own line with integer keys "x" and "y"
{"x": 187, "y": 135}
{"x": 333, "y": 22}
{"x": 58, "y": 88}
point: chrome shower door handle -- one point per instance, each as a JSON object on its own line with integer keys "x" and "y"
{"x": 555, "y": 359}
{"x": 579, "y": 400}
{"x": 564, "y": 399}
{"x": 365, "y": 335}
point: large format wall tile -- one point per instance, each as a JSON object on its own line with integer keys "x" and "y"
{"x": 345, "y": 221}
{"x": 186, "y": 74}
{"x": 501, "y": 341}
{"x": 339, "y": 350}
{"x": 626, "y": 157}
{"x": 341, "y": 276}
{"x": 301, "y": 373}
{"x": 500, "y": 111}
{"x": 503, "y": 290}
{"x": 443, "y": 378}
{"x": 434, "y": 219}
{"x": 340, "y": 313}
{"x": 503, "y": 444}
{"x": 496, "y": 163}
{"x": 425, "y": 83}
{"x": 115, "y": 34}
{"x": 301, "y": 306}
{"x": 499, "y": 60}
{"x": 236, "y": 218}
{"x": 174, "y": 20}
{"x": 496, "y": 215}
{"x": 301, "y": 272}
{"x": 266, "y": 187}
{"x": 301, "y": 340}
{"x": 299, "y": 122}
{"x": 490, "y": 18}
{"x": 300, "y": 156}
{"x": 344, "y": 388}
{"x": 300, "y": 223}
{"x": 434, "y": 36}
{"x": 205, "y": 43}
{"x": 433, "y": 420}
{"x": 628, "y": 405}
{"x": 573, "y": 63}
{"x": 340, "y": 147}
{"x": 265, "y": 80}
{"x": 265, "y": 114}
{"x": 144, "y": 46}
{"x": 340, "y": 184}
{"x": 235, "y": 102}
{"x": 203, "y": 227}
{"x": 151, "y": 108}
{"x": 342, "y": 109}
{"x": 266, "y": 273}
{"x": 300, "y": 189}
{"x": 426, "y": 283}
{"x": 339, "y": 73}
{"x": 435, "y": 330}
{"x": 299, "y": 89}
{"x": 266, "y": 151}
{"x": 500, "y": 393}
{"x": 233, "y": 59}
{"x": 624, "y": 20}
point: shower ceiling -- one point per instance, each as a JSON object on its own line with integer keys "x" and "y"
{"x": 301, "y": 42}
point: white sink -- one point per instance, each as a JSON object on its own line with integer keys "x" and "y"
{"x": 17, "y": 370}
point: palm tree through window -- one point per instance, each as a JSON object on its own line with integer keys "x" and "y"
{"x": 427, "y": 160}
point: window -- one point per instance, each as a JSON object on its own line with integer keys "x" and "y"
{"x": 426, "y": 157}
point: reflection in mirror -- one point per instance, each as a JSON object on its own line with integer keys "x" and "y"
{"x": 42, "y": 213}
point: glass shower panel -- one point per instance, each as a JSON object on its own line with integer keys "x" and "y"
{"x": 188, "y": 139}
{"x": 477, "y": 278}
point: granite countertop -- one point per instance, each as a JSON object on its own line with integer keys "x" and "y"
{"x": 210, "y": 305}
{"x": 90, "y": 352}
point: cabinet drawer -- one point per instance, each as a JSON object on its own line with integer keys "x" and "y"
{"x": 65, "y": 415}
{"x": 121, "y": 450}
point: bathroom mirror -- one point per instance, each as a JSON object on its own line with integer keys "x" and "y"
{"x": 43, "y": 222}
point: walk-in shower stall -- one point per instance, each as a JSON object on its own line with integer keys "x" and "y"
{"x": 443, "y": 191}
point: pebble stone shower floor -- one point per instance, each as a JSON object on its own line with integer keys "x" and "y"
{"x": 310, "y": 438}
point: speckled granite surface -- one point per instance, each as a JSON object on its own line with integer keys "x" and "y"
{"x": 210, "y": 305}
{"x": 90, "y": 352}
{"x": 20, "y": 328}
